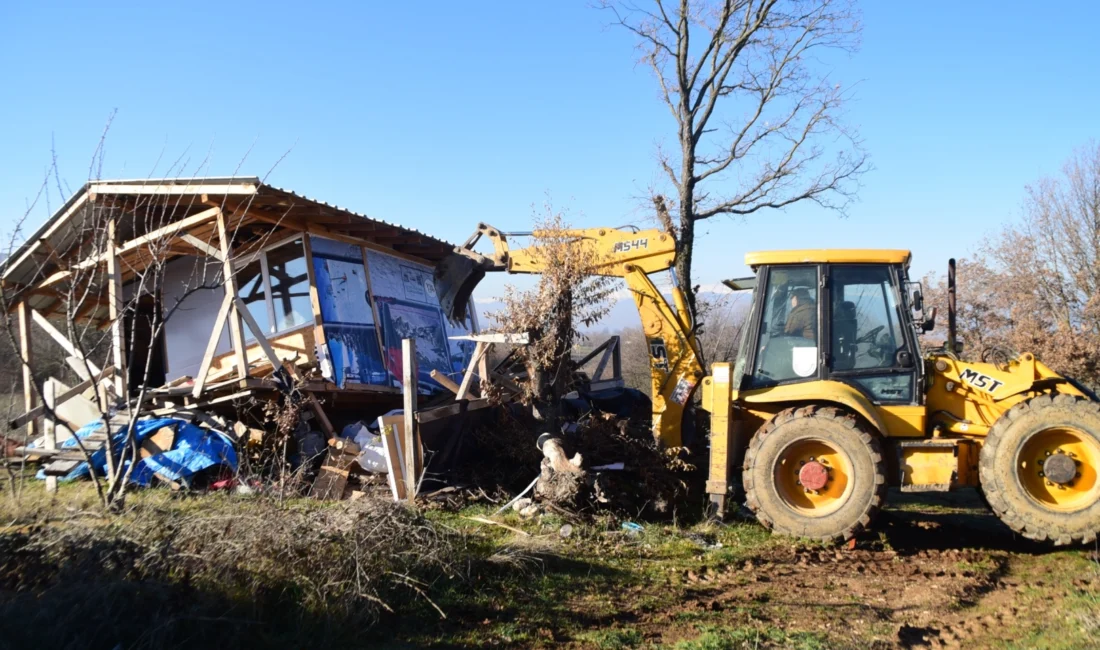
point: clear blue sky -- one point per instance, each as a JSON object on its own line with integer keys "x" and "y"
{"x": 439, "y": 115}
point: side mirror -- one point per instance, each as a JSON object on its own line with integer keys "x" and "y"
{"x": 930, "y": 324}
{"x": 918, "y": 300}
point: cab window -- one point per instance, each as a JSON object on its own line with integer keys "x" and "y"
{"x": 865, "y": 329}
{"x": 788, "y": 348}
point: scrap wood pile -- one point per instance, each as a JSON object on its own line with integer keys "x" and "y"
{"x": 601, "y": 463}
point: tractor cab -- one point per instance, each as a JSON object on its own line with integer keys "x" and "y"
{"x": 840, "y": 315}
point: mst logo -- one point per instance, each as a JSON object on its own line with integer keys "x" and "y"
{"x": 980, "y": 381}
{"x": 627, "y": 246}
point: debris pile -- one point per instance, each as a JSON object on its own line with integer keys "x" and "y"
{"x": 600, "y": 463}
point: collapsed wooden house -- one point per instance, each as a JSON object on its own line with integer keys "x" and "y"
{"x": 202, "y": 289}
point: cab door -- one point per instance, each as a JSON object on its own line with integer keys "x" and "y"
{"x": 869, "y": 345}
{"x": 786, "y": 328}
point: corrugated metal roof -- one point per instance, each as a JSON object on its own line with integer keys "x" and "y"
{"x": 51, "y": 229}
{"x": 359, "y": 214}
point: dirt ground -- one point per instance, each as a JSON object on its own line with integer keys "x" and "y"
{"x": 937, "y": 571}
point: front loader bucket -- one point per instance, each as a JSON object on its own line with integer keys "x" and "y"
{"x": 455, "y": 278}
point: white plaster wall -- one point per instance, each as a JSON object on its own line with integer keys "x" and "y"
{"x": 188, "y": 329}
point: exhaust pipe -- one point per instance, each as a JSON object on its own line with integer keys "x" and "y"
{"x": 952, "y": 333}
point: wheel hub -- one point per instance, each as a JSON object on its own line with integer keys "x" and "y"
{"x": 813, "y": 475}
{"x": 1059, "y": 468}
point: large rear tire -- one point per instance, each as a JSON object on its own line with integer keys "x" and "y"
{"x": 815, "y": 472}
{"x": 1039, "y": 466}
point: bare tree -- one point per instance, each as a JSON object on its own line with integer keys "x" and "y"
{"x": 104, "y": 310}
{"x": 757, "y": 119}
{"x": 1036, "y": 285}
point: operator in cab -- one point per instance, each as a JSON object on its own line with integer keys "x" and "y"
{"x": 802, "y": 316}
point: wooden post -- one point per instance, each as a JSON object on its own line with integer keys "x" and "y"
{"x": 212, "y": 345}
{"x": 475, "y": 362}
{"x": 412, "y": 436}
{"x": 236, "y": 331}
{"x": 49, "y": 397}
{"x": 26, "y": 351}
{"x": 114, "y": 307}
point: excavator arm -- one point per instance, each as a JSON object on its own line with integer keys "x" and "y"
{"x": 675, "y": 361}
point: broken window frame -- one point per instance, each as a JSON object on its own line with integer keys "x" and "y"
{"x": 269, "y": 302}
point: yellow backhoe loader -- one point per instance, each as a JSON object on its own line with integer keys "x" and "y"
{"x": 831, "y": 399}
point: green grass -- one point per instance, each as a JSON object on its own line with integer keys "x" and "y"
{"x": 739, "y": 638}
{"x": 1075, "y": 619}
{"x": 613, "y": 639}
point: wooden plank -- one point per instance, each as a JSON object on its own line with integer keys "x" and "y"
{"x": 191, "y": 409}
{"x": 26, "y": 352}
{"x": 219, "y": 324}
{"x": 114, "y": 313}
{"x": 409, "y": 390}
{"x": 483, "y": 366}
{"x": 330, "y": 483}
{"x": 200, "y": 245}
{"x": 65, "y": 344}
{"x": 261, "y": 337}
{"x": 333, "y": 477}
{"x": 445, "y": 381}
{"x": 479, "y": 351}
{"x": 440, "y": 412}
{"x": 391, "y": 446}
{"x": 159, "y": 442}
{"x": 61, "y": 467}
{"x": 236, "y": 334}
{"x": 49, "y": 399}
{"x": 57, "y": 223}
{"x": 293, "y": 346}
{"x": 495, "y": 337}
{"x": 322, "y": 418}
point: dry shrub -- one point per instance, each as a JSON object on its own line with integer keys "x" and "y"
{"x": 254, "y": 573}
{"x": 568, "y": 296}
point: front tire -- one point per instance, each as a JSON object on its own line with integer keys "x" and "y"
{"x": 1039, "y": 465}
{"x": 815, "y": 472}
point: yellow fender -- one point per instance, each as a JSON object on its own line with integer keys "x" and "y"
{"x": 824, "y": 391}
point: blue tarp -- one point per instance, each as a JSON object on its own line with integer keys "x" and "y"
{"x": 194, "y": 450}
